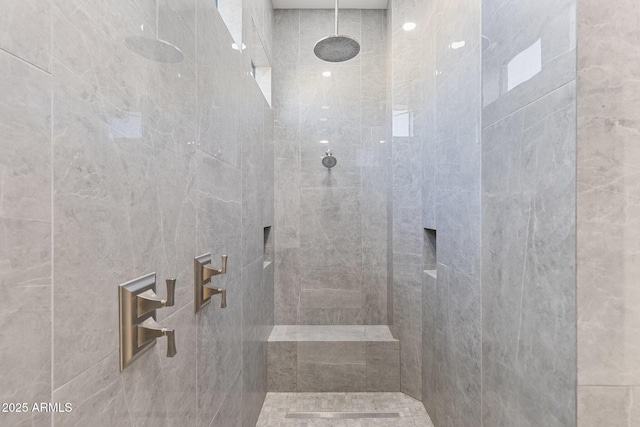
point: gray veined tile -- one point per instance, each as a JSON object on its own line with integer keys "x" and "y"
{"x": 281, "y": 366}
{"x": 26, "y": 31}
{"x": 612, "y": 406}
{"x": 25, "y": 117}
{"x": 383, "y": 366}
{"x": 332, "y": 366}
{"x": 25, "y": 277}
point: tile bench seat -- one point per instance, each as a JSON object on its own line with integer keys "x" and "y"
{"x": 333, "y": 358}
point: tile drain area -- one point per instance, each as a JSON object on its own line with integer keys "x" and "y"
{"x": 341, "y": 415}
{"x": 340, "y": 409}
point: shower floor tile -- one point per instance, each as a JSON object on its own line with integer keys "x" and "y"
{"x": 277, "y": 405}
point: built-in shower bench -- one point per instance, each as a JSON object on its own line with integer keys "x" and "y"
{"x": 336, "y": 358}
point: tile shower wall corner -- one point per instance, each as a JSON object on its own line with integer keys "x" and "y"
{"x": 150, "y": 164}
{"x": 439, "y": 188}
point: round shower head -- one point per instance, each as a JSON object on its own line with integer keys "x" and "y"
{"x": 328, "y": 161}
{"x": 154, "y": 49}
{"x": 336, "y": 48}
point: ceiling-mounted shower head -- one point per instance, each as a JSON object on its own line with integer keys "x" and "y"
{"x": 328, "y": 161}
{"x": 336, "y": 48}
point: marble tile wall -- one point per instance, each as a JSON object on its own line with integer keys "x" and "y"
{"x": 608, "y": 271}
{"x": 436, "y": 185}
{"x": 405, "y": 190}
{"x": 480, "y": 361}
{"x": 330, "y": 243}
{"x": 528, "y": 363}
{"x": 114, "y": 166}
{"x": 528, "y": 214}
{"x": 25, "y": 217}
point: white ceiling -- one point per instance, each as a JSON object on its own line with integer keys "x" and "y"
{"x": 329, "y": 4}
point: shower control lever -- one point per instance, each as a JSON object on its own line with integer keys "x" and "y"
{"x": 148, "y": 300}
{"x": 208, "y": 292}
{"x": 202, "y": 274}
{"x": 150, "y": 330}
{"x": 138, "y": 327}
{"x": 209, "y": 272}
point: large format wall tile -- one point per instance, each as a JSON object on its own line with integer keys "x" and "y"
{"x": 383, "y": 360}
{"x": 347, "y": 370}
{"x": 607, "y": 231}
{"x": 282, "y": 365}
{"x": 610, "y": 406}
{"x": 25, "y": 314}
{"x": 608, "y": 190}
{"x": 529, "y": 264}
{"x": 97, "y": 395}
{"x": 25, "y": 30}
{"x": 25, "y": 233}
{"x": 25, "y": 165}
{"x": 331, "y": 240}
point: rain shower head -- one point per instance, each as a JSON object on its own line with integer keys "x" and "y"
{"x": 336, "y": 48}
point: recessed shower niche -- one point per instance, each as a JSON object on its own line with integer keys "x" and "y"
{"x": 260, "y": 65}
{"x": 429, "y": 252}
{"x": 268, "y": 247}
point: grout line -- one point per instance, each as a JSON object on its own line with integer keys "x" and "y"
{"x": 24, "y": 61}
{"x": 99, "y": 361}
{"x": 197, "y": 201}
{"x": 504, "y": 116}
{"x": 52, "y": 201}
{"x": 481, "y": 110}
{"x": 25, "y": 219}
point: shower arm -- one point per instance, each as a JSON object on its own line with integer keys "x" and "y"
{"x": 336, "y": 17}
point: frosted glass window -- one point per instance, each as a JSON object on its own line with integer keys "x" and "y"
{"x": 260, "y": 65}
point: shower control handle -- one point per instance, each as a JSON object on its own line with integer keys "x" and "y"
{"x": 209, "y": 272}
{"x": 150, "y": 329}
{"x": 209, "y": 291}
{"x": 203, "y": 274}
{"x": 148, "y": 300}
{"x": 171, "y": 342}
{"x": 171, "y": 292}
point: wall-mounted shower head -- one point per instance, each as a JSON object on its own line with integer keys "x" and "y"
{"x": 328, "y": 161}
